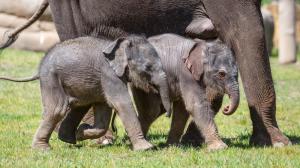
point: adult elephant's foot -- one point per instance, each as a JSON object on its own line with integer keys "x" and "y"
{"x": 41, "y": 146}
{"x": 142, "y": 145}
{"x": 274, "y": 137}
{"x": 216, "y": 145}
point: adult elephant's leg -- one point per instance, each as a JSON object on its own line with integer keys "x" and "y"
{"x": 239, "y": 24}
{"x": 192, "y": 135}
{"x": 179, "y": 119}
{"x": 148, "y": 106}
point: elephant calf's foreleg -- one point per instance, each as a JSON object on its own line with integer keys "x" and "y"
{"x": 121, "y": 101}
{"x": 196, "y": 103}
{"x": 204, "y": 120}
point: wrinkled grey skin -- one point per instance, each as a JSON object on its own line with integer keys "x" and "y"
{"x": 85, "y": 72}
{"x": 231, "y": 20}
{"x": 112, "y": 19}
{"x": 217, "y": 74}
{"x": 200, "y": 99}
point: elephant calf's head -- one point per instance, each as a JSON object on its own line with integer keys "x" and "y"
{"x": 136, "y": 59}
{"x": 215, "y": 64}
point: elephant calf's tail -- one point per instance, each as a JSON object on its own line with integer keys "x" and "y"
{"x": 32, "y": 78}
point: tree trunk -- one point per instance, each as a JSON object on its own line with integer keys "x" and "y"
{"x": 287, "y": 31}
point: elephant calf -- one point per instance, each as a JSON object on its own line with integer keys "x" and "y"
{"x": 198, "y": 93}
{"x": 85, "y": 72}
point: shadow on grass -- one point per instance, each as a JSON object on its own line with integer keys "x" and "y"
{"x": 241, "y": 141}
{"x": 295, "y": 139}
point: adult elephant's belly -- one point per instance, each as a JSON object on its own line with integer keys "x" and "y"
{"x": 112, "y": 19}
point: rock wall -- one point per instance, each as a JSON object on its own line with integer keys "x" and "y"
{"x": 38, "y": 37}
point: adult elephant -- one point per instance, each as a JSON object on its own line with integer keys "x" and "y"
{"x": 237, "y": 22}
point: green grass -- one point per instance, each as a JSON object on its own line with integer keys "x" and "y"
{"x": 264, "y": 2}
{"x": 20, "y": 113}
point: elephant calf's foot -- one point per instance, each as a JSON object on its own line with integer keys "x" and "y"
{"x": 67, "y": 136}
{"x": 142, "y": 145}
{"x": 217, "y": 145}
{"x": 85, "y": 131}
{"x": 107, "y": 139}
{"x": 41, "y": 146}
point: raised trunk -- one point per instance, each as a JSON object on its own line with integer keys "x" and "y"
{"x": 239, "y": 24}
{"x": 234, "y": 95}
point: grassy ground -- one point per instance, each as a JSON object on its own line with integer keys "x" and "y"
{"x": 264, "y": 2}
{"x": 20, "y": 112}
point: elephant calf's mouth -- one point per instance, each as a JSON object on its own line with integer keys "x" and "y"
{"x": 213, "y": 94}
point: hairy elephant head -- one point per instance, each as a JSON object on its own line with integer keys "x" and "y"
{"x": 136, "y": 59}
{"x": 216, "y": 67}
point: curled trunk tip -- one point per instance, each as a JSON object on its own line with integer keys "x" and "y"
{"x": 234, "y": 97}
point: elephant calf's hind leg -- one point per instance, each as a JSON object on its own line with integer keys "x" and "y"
{"x": 179, "y": 120}
{"x": 55, "y": 108}
{"x": 68, "y": 127}
{"x": 102, "y": 116}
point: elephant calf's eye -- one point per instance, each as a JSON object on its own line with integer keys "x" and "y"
{"x": 221, "y": 74}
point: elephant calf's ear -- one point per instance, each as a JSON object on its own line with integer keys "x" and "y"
{"x": 194, "y": 61}
{"x": 117, "y": 61}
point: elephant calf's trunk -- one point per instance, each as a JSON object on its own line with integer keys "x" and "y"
{"x": 162, "y": 84}
{"x": 234, "y": 96}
